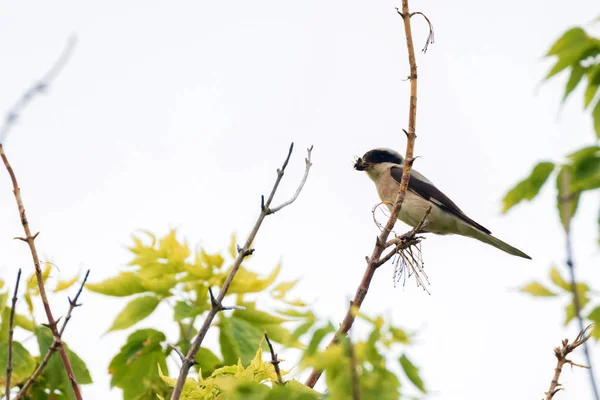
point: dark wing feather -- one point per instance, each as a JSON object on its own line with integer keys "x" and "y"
{"x": 429, "y": 192}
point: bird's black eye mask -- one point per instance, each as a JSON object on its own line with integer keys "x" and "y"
{"x": 381, "y": 156}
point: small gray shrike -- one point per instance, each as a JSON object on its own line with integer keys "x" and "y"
{"x": 384, "y": 167}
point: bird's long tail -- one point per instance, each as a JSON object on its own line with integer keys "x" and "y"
{"x": 497, "y": 243}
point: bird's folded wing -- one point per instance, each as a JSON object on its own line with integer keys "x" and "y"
{"x": 422, "y": 187}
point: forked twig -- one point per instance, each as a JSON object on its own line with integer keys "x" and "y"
{"x": 381, "y": 240}
{"x": 56, "y": 342}
{"x": 561, "y": 354}
{"x": 243, "y": 252}
{"x": 11, "y": 331}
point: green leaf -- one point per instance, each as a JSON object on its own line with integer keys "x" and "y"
{"x": 529, "y": 187}
{"x": 596, "y": 118}
{"x": 593, "y": 83}
{"x": 125, "y": 284}
{"x": 567, "y": 199}
{"x": 23, "y": 364}
{"x": 183, "y": 310}
{"x": 570, "y": 38}
{"x": 207, "y": 361}
{"x": 239, "y": 339}
{"x": 54, "y": 373}
{"x": 317, "y": 337}
{"x": 577, "y": 73}
{"x": 571, "y": 57}
{"x": 412, "y": 372}
{"x": 137, "y": 309}
{"x": 135, "y": 370}
{"x": 558, "y": 280}
{"x": 536, "y": 289}
{"x": 584, "y": 153}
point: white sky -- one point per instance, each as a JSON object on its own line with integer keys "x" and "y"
{"x": 176, "y": 114}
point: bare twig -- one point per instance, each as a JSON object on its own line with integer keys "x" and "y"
{"x": 56, "y": 343}
{"x": 302, "y": 182}
{"x": 11, "y": 331}
{"x": 561, "y": 357}
{"x": 372, "y": 261}
{"x": 243, "y": 252}
{"x": 275, "y": 361}
{"x": 39, "y": 87}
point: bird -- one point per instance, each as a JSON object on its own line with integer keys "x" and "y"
{"x": 385, "y": 167}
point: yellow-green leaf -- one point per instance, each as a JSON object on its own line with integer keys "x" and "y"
{"x": 558, "y": 280}
{"x": 536, "y": 289}
{"x": 62, "y": 285}
{"x": 248, "y": 282}
{"x": 137, "y": 310}
{"x": 594, "y": 315}
{"x": 124, "y": 284}
{"x": 233, "y": 246}
{"x": 567, "y": 199}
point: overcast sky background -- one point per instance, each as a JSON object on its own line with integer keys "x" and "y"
{"x": 176, "y": 114}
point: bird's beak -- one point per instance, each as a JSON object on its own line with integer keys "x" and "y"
{"x": 360, "y": 164}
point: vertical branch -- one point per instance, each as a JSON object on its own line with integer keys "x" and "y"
{"x": 577, "y": 306}
{"x": 243, "y": 252}
{"x": 11, "y": 330}
{"x": 373, "y": 262}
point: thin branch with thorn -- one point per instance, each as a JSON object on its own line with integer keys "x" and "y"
{"x": 11, "y": 118}
{"x": 214, "y": 303}
{"x": 275, "y": 361}
{"x": 11, "y": 331}
{"x": 176, "y": 350}
{"x": 57, "y": 341}
{"x": 561, "y": 354}
{"x": 243, "y": 252}
{"x": 372, "y": 261}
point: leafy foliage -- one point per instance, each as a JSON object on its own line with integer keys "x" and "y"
{"x": 237, "y": 370}
{"x": 578, "y": 52}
